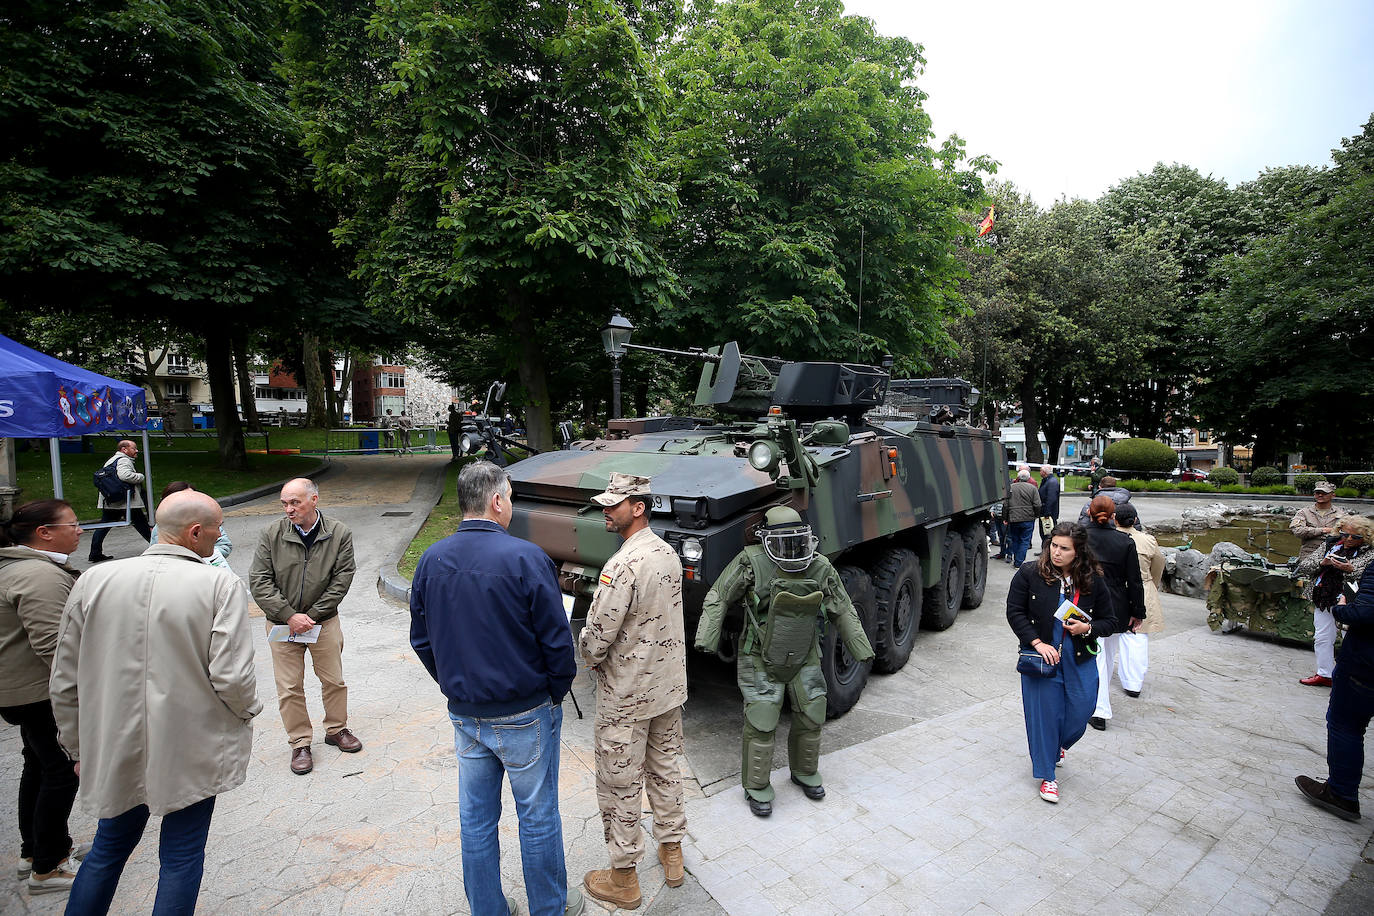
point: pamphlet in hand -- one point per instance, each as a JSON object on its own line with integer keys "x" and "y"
{"x": 282, "y": 633}
{"x": 1069, "y": 611}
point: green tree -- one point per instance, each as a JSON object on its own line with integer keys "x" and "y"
{"x": 1296, "y": 313}
{"x": 492, "y": 162}
{"x": 149, "y": 157}
{"x": 802, "y": 158}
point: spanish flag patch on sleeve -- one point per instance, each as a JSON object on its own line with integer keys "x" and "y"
{"x": 605, "y": 578}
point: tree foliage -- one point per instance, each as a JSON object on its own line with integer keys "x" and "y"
{"x": 1295, "y": 314}
{"x": 492, "y": 164}
{"x": 801, "y": 154}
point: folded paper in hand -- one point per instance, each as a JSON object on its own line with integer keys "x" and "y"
{"x": 1069, "y": 611}
{"x": 282, "y": 633}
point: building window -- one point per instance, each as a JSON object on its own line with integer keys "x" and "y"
{"x": 268, "y": 393}
{"x": 392, "y": 380}
{"x": 1204, "y": 437}
{"x": 178, "y": 365}
{"x": 178, "y": 390}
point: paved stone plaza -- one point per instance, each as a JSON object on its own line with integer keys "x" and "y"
{"x": 1185, "y": 804}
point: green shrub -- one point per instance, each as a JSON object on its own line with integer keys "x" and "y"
{"x": 1155, "y": 486}
{"x": 1359, "y": 481}
{"x": 1130, "y": 483}
{"x": 1306, "y": 482}
{"x": 1197, "y": 486}
{"x": 1075, "y": 482}
{"x": 1233, "y": 488}
{"x": 1141, "y": 456}
{"x": 1347, "y": 492}
{"x": 1265, "y": 477}
{"x": 1226, "y": 476}
{"x": 1277, "y": 489}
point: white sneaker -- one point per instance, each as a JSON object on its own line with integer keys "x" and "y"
{"x": 57, "y": 881}
{"x": 78, "y": 852}
{"x": 1049, "y": 791}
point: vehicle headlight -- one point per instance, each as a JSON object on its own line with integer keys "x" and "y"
{"x": 691, "y": 549}
{"x": 763, "y": 455}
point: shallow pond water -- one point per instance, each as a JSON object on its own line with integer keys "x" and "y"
{"x": 1268, "y": 537}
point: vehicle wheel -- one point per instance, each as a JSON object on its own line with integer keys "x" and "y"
{"x": 844, "y": 677}
{"x": 976, "y": 562}
{"x": 942, "y": 599}
{"x": 897, "y": 590}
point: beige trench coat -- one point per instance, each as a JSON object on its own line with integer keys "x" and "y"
{"x": 152, "y": 685}
{"x": 1151, "y": 577}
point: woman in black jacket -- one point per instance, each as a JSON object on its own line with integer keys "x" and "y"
{"x": 1115, "y": 553}
{"x": 1057, "y": 708}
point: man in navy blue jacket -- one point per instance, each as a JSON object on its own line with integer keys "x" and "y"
{"x": 1350, "y": 709}
{"x": 487, "y": 621}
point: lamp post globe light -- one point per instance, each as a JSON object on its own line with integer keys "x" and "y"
{"x": 614, "y": 336}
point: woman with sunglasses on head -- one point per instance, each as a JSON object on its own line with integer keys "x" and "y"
{"x": 1341, "y": 559}
{"x": 35, "y": 578}
{"x": 1057, "y": 707}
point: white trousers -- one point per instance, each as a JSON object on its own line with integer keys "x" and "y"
{"x": 1128, "y": 654}
{"x": 1324, "y": 643}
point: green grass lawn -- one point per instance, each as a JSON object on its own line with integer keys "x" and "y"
{"x": 200, "y": 468}
{"x": 443, "y": 520}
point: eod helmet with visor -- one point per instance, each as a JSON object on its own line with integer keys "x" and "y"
{"x": 786, "y": 539}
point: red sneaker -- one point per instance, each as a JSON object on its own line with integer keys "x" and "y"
{"x": 1316, "y": 680}
{"x": 1049, "y": 791}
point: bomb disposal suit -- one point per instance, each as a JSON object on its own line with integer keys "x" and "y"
{"x": 789, "y": 591}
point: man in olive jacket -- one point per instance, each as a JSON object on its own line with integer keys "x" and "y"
{"x": 301, "y": 571}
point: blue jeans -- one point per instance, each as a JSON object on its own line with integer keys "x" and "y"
{"x": 1057, "y": 708}
{"x": 181, "y": 852}
{"x": 1020, "y": 534}
{"x": 1347, "y": 717}
{"x": 523, "y": 746}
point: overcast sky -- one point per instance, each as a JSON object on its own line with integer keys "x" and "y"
{"x": 1071, "y": 97}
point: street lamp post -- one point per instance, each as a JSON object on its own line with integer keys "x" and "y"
{"x": 614, "y": 337}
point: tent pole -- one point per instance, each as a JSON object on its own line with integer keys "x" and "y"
{"x": 147, "y": 475}
{"x": 55, "y": 456}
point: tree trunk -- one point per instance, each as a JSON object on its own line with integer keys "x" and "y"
{"x": 538, "y": 418}
{"x": 316, "y": 416}
{"x": 641, "y": 400}
{"x": 1030, "y": 421}
{"x": 339, "y": 394}
{"x": 219, "y": 364}
{"x": 331, "y": 409}
{"x": 247, "y": 390}
{"x": 150, "y": 372}
{"x": 1054, "y": 441}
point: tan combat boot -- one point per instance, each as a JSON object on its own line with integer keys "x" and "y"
{"x": 616, "y": 886}
{"x": 670, "y": 856}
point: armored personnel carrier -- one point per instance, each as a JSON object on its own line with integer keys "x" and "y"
{"x": 894, "y": 484}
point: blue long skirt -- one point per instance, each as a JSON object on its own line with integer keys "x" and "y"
{"x": 1057, "y": 708}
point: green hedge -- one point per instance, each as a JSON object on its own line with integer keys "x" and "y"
{"x": 1266, "y": 477}
{"x": 1363, "y": 482}
{"x": 1197, "y": 486}
{"x": 1347, "y": 492}
{"x": 1307, "y": 482}
{"x": 1278, "y": 489}
{"x": 1233, "y": 488}
{"x": 1225, "y": 477}
{"x": 1141, "y": 456}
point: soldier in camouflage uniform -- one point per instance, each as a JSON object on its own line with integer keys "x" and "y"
{"x": 634, "y": 641}
{"x": 1313, "y": 524}
{"x": 788, "y": 590}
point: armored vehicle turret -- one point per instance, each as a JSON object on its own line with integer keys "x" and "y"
{"x": 895, "y": 485}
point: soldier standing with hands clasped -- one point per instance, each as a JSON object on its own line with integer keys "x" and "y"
{"x": 634, "y": 641}
{"x": 788, "y": 590}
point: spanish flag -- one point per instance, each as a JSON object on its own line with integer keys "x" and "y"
{"x": 986, "y": 225}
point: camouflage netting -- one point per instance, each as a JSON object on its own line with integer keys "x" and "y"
{"x": 1268, "y": 602}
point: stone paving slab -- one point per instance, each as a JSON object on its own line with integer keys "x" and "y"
{"x": 1185, "y": 804}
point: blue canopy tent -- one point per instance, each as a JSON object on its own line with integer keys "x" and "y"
{"x": 42, "y": 397}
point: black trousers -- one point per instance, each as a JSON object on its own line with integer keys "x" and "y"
{"x": 137, "y": 518}
{"x": 47, "y": 787}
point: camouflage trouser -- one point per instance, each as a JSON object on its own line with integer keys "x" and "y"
{"x": 763, "y": 698}
{"x": 633, "y": 758}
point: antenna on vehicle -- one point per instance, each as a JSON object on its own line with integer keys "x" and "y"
{"x": 858, "y": 344}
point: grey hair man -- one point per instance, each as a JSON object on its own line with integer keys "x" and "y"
{"x": 1020, "y": 510}
{"x": 154, "y": 693}
{"x": 301, "y": 572}
{"x": 487, "y": 622}
{"x": 114, "y": 509}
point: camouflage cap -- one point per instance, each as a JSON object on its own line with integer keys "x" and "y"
{"x": 1323, "y": 486}
{"x": 621, "y": 486}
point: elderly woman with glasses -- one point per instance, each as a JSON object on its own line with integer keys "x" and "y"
{"x": 1342, "y": 559}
